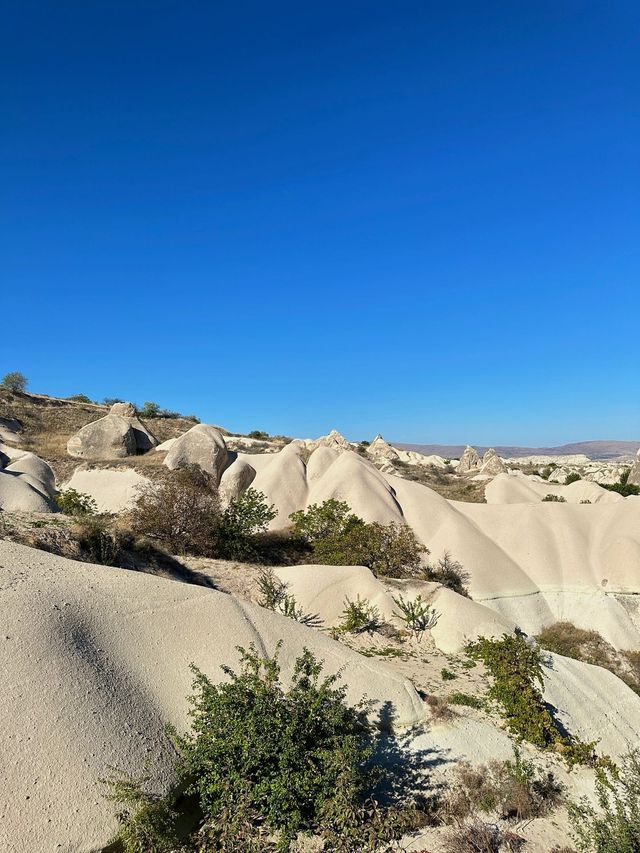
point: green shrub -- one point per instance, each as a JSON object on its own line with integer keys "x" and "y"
{"x": 359, "y": 616}
{"x": 447, "y": 675}
{"x": 148, "y": 823}
{"x": 259, "y": 434}
{"x": 337, "y": 537}
{"x": 615, "y": 826}
{"x": 624, "y": 489}
{"x": 450, "y": 573}
{"x": 558, "y": 499}
{"x": 245, "y": 516}
{"x": 330, "y": 519}
{"x": 80, "y": 398}
{"x": 516, "y": 669}
{"x": 417, "y": 615}
{"x": 466, "y": 699}
{"x": 15, "y": 382}
{"x": 295, "y": 759}
{"x": 72, "y": 502}
{"x": 572, "y": 477}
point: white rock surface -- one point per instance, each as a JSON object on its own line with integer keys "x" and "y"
{"x": 235, "y": 480}
{"x": 97, "y": 661}
{"x": 202, "y": 445}
{"x": 113, "y": 489}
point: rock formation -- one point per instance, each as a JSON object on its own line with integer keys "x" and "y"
{"x": 468, "y": 461}
{"x": 203, "y": 446}
{"x": 118, "y": 434}
{"x": 492, "y": 463}
{"x": 634, "y": 474}
{"x": 380, "y": 449}
{"x": 235, "y": 480}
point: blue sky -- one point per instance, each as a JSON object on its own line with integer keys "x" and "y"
{"x": 416, "y": 218}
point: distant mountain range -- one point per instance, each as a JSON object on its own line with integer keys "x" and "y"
{"x": 592, "y": 449}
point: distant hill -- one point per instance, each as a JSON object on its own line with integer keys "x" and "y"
{"x": 592, "y": 449}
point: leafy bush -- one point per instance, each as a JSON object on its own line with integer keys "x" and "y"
{"x": 244, "y": 517}
{"x": 450, "y": 573}
{"x": 72, "y": 502}
{"x": 331, "y": 519}
{"x": 516, "y": 669}
{"x": 80, "y": 398}
{"x": 416, "y": 614}
{"x": 447, "y": 675}
{"x": 615, "y": 827}
{"x": 337, "y": 537}
{"x": 294, "y": 759}
{"x": 147, "y": 822}
{"x": 14, "y": 381}
{"x": 572, "y": 477}
{"x": 359, "y": 616}
{"x": 558, "y": 499}
{"x": 259, "y": 434}
{"x": 181, "y": 512}
{"x": 150, "y": 410}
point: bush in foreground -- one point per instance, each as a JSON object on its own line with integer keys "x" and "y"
{"x": 615, "y": 827}
{"x": 265, "y": 763}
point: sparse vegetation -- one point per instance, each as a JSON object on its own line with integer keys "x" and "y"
{"x": 558, "y": 499}
{"x": 359, "y": 616}
{"x": 466, "y": 699}
{"x": 565, "y": 638}
{"x": 572, "y": 477}
{"x": 417, "y": 615}
{"x": 15, "y": 382}
{"x": 72, "y": 502}
{"x": 481, "y": 837}
{"x": 272, "y": 589}
{"x": 447, "y": 675}
{"x": 625, "y": 489}
{"x": 615, "y": 826}
{"x": 448, "y": 572}
{"x": 516, "y": 667}
{"x": 259, "y": 434}
{"x": 264, "y": 763}
{"x": 514, "y": 789}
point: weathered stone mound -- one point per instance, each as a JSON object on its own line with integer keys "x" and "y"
{"x": 492, "y": 463}
{"x": 236, "y": 479}
{"x": 468, "y": 461}
{"x": 634, "y": 474}
{"x": 27, "y": 483}
{"x": 117, "y": 435}
{"x": 203, "y": 446}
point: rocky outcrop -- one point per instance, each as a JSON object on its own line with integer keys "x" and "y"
{"x": 334, "y": 439}
{"x": 27, "y": 483}
{"x": 468, "y": 461}
{"x": 634, "y": 474}
{"x": 235, "y": 480}
{"x": 120, "y": 433}
{"x": 380, "y": 449}
{"x": 492, "y": 463}
{"x": 203, "y": 446}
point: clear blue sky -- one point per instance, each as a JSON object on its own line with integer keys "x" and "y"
{"x": 420, "y": 218}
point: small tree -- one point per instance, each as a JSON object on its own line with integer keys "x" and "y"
{"x": 245, "y": 517}
{"x": 182, "y": 513}
{"x": 449, "y": 573}
{"x": 150, "y": 410}
{"x": 15, "y": 381}
{"x": 332, "y": 518}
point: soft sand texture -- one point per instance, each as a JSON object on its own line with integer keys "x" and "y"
{"x": 113, "y": 489}
{"x": 95, "y": 661}
{"x": 534, "y": 563}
